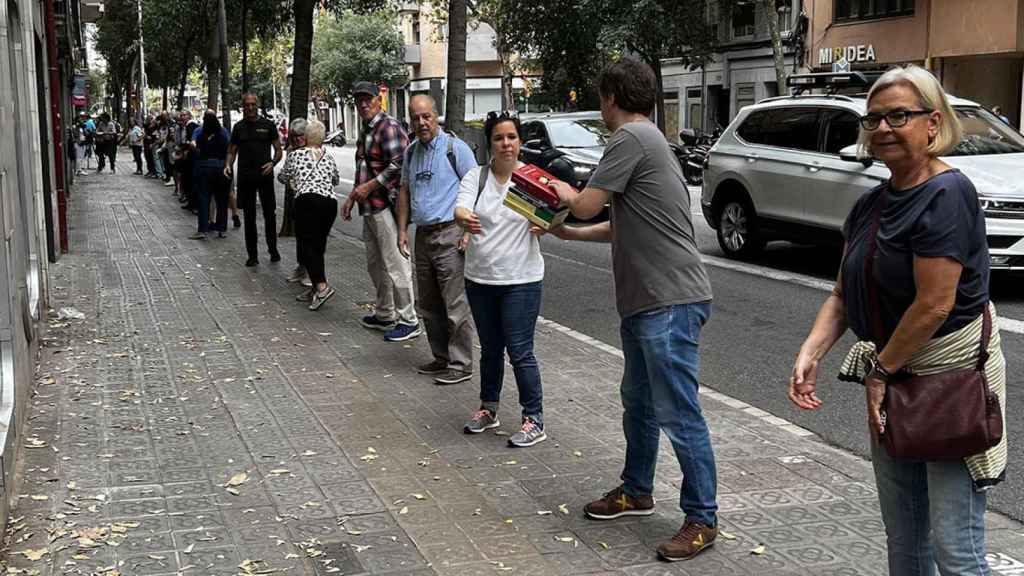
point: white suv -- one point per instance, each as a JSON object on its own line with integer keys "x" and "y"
{"x": 785, "y": 169}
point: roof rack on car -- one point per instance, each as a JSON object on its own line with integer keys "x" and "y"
{"x": 799, "y": 96}
{"x": 831, "y": 82}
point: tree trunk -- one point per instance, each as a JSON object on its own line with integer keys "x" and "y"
{"x": 455, "y": 92}
{"x": 507, "y": 74}
{"x": 163, "y": 104}
{"x": 660, "y": 105}
{"x": 225, "y": 72}
{"x": 772, "y": 14}
{"x": 213, "y": 74}
{"x": 184, "y": 76}
{"x": 245, "y": 50}
{"x": 298, "y": 99}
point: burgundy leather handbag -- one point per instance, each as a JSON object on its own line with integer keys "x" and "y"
{"x": 944, "y": 416}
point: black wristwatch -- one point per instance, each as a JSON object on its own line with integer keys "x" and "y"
{"x": 878, "y": 372}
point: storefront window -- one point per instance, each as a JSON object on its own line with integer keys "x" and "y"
{"x": 847, "y": 10}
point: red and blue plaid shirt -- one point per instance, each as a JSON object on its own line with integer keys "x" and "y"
{"x": 379, "y": 153}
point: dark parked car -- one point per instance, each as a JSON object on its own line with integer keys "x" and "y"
{"x": 569, "y": 145}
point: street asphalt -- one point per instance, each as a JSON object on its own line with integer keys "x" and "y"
{"x": 756, "y": 328}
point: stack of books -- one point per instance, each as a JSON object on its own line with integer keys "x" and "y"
{"x": 530, "y": 196}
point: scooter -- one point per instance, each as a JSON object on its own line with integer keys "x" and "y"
{"x": 695, "y": 148}
{"x": 336, "y": 138}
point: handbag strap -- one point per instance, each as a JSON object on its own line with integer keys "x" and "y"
{"x": 869, "y": 268}
{"x": 872, "y": 287}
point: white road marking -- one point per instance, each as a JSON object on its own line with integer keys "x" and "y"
{"x": 711, "y": 393}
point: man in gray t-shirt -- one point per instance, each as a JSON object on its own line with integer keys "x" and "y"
{"x": 664, "y": 298}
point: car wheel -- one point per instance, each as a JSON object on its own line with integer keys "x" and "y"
{"x": 738, "y": 234}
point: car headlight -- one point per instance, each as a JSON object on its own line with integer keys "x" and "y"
{"x": 583, "y": 171}
{"x": 1000, "y": 208}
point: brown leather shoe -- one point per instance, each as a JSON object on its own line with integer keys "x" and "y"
{"x": 688, "y": 542}
{"x": 617, "y": 503}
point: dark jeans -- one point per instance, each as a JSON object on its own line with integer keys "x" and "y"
{"x": 212, "y": 184}
{"x": 147, "y": 153}
{"x": 249, "y": 188}
{"x": 137, "y": 156}
{"x": 505, "y": 318}
{"x": 104, "y": 151}
{"x": 186, "y": 167}
{"x": 660, "y": 392}
{"x": 314, "y": 217}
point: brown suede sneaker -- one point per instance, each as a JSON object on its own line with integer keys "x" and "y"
{"x": 688, "y": 542}
{"x": 617, "y": 503}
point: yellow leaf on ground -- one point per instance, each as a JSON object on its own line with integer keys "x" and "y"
{"x": 726, "y": 535}
{"x": 34, "y": 554}
{"x": 238, "y": 479}
{"x": 759, "y": 550}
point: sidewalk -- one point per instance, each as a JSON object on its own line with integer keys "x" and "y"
{"x": 200, "y": 421}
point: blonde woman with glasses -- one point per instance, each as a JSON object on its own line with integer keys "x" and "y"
{"x": 914, "y": 288}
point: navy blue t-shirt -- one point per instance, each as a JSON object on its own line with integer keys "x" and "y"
{"x": 213, "y": 147}
{"x": 939, "y": 217}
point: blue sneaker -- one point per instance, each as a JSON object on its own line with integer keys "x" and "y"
{"x": 403, "y": 332}
{"x": 374, "y": 323}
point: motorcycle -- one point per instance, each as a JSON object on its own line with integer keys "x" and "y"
{"x": 336, "y": 138}
{"x": 694, "y": 152}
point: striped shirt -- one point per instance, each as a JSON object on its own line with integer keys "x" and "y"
{"x": 954, "y": 351}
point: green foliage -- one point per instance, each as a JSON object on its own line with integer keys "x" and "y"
{"x": 573, "y": 40}
{"x": 355, "y": 47}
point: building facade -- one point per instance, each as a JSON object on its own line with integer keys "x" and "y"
{"x": 742, "y": 73}
{"x": 975, "y": 47}
{"x": 41, "y": 48}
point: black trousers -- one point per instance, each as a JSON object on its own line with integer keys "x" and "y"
{"x": 314, "y": 217}
{"x": 187, "y": 168}
{"x": 137, "y": 156}
{"x": 147, "y": 153}
{"x": 105, "y": 150}
{"x": 249, "y": 188}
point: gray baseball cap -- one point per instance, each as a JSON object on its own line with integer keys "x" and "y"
{"x": 364, "y": 87}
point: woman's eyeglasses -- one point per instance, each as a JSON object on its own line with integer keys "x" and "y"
{"x": 894, "y": 118}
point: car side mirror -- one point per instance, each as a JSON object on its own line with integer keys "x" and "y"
{"x": 536, "y": 144}
{"x": 849, "y": 154}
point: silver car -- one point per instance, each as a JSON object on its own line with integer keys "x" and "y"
{"x": 786, "y": 169}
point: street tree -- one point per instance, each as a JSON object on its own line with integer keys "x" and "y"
{"x": 771, "y": 10}
{"x": 455, "y": 91}
{"x": 354, "y": 47}
{"x": 572, "y": 41}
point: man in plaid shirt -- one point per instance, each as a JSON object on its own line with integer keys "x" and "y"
{"x": 379, "y": 153}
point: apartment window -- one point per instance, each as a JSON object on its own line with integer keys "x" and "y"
{"x": 416, "y": 29}
{"x": 785, "y": 10}
{"x": 743, "y": 19}
{"x": 847, "y": 10}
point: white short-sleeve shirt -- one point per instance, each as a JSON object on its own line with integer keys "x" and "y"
{"x": 506, "y": 252}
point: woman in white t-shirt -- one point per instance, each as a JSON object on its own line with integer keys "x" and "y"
{"x": 504, "y": 271}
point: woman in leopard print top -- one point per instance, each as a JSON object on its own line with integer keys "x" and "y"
{"x": 313, "y": 174}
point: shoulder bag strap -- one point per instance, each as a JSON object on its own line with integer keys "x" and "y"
{"x": 485, "y": 170}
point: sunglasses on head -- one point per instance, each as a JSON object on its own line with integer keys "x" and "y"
{"x": 503, "y": 115}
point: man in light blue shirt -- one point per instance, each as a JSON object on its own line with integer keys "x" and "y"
{"x": 432, "y": 169}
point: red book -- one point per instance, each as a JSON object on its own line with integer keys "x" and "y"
{"x": 534, "y": 181}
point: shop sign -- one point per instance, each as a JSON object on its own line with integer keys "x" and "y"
{"x": 858, "y": 53}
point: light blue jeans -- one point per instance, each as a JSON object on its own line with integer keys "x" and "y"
{"x": 932, "y": 514}
{"x": 660, "y": 392}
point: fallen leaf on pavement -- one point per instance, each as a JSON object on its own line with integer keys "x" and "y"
{"x": 726, "y": 535}
{"x": 34, "y": 554}
{"x": 759, "y": 550}
{"x": 238, "y": 479}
